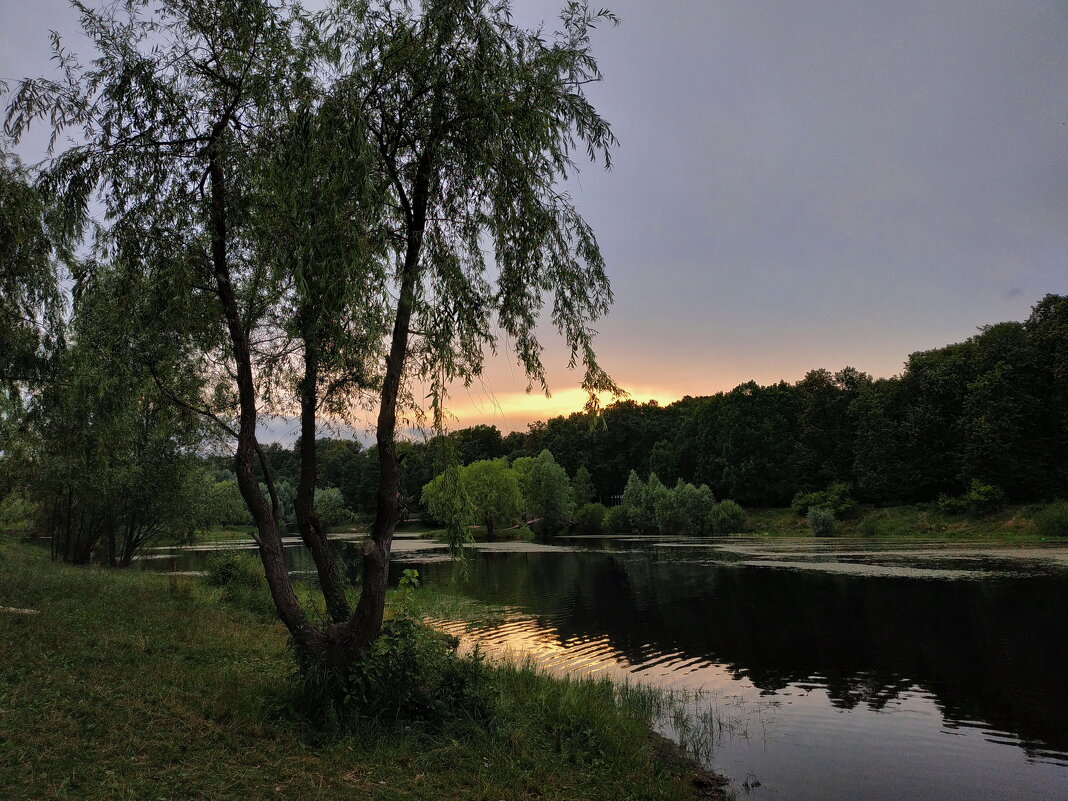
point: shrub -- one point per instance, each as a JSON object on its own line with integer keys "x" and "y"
{"x": 822, "y": 521}
{"x": 872, "y": 524}
{"x": 590, "y": 518}
{"x": 836, "y": 497}
{"x": 350, "y": 559}
{"x": 726, "y": 517}
{"x": 16, "y": 511}
{"x": 240, "y": 575}
{"x": 616, "y": 520}
{"x": 979, "y": 499}
{"x": 688, "y": 511}
{"x": 1053, "y": 520}
{"x": 229, "y": 568}
{"x": 411, "y": 673}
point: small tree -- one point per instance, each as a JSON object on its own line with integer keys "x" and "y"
{"x": 549, "y": 496}
{"x": 633, "y": 503}
{"x": 582, "y": 489}
{"x": 589, "y": 518}
{"x": 658, "y": 502}
{"x": 692, "y": 505}
{"x": 493, "y": 491}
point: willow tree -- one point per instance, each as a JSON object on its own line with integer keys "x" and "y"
{"x": 382, "y": 180}
{"x": 474, "y": 122}
{"x": 170, "y": 115}
{"x": 34, "y": 244}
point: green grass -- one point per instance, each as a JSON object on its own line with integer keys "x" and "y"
{"x": 1011, "y": 524}
{"x": 131, "y": 685}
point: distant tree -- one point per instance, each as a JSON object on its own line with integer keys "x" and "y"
{"x": 522, "y": 468}
{"x": 664, "y": 460}
{"x": 224, "y": 506}
{"x": 589, "y": 518}
{"x": 633, "y": 503}
{"x": 691, "y": 506}
{"x": 446, "y": 500}
{"x": 548, "y": 494}
{"x": 493, "y": 490}
{"x": 658, "y": 506}
{"x": 582, "y": 489}
{"x": 330, "y": 507}
{"x": 477, "y": 443}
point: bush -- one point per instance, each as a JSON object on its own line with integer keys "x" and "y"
{"x": 240, "y": 575}
{"x": 836, "y": 497}
{"x": 350, "y": 559}
{"x": 1053, "y": 520}
{"x": 872, "y": 524}
{"x": 17, "y": 512}
{"x": 979, "y": 499}
{"x": 726, "y": 517}
{"x": 412, "y": 672}
{"x": 590, "y": 518}
{"x": 822, "y": 521}
{"x": 616, "y": 520}
{"x": 687, "y": 510}
{"x": 230, "y": 568}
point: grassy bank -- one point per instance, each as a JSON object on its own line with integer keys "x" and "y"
{"x": 130, "y": 685}
{"x": 1011, "y": 524}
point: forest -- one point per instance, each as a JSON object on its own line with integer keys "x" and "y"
{"x": 992, "y": 409}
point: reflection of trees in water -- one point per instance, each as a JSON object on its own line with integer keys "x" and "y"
{"x": 992, "y": 650}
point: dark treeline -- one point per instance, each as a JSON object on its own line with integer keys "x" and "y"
{"x": 992, "y": 409}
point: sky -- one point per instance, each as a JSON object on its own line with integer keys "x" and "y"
{"x": 797, "y": 185}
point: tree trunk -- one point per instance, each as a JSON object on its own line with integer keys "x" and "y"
{"x": 264, "y": 515}
{"x": 367, "y": 621}
{"x": 112, "y": 557}
{"x": 311, "y": 530}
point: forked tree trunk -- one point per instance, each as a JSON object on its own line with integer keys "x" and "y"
{"x": 366, "y": 622}
{"x": 263, "y": 514}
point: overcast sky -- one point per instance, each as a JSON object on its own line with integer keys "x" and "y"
{"x": 798, "y": 184}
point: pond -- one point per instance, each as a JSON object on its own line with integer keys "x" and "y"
{"x": 830, "y": 670}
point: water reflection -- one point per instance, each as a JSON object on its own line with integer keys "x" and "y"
{"x": 993, "y": 650}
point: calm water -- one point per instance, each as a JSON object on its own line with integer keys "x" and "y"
{"x": 833, "y": 670}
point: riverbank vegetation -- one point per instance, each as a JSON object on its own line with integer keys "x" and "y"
{"x": 132, "y": 685}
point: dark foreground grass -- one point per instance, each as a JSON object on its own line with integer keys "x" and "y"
{"x": 131, "y": 685}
